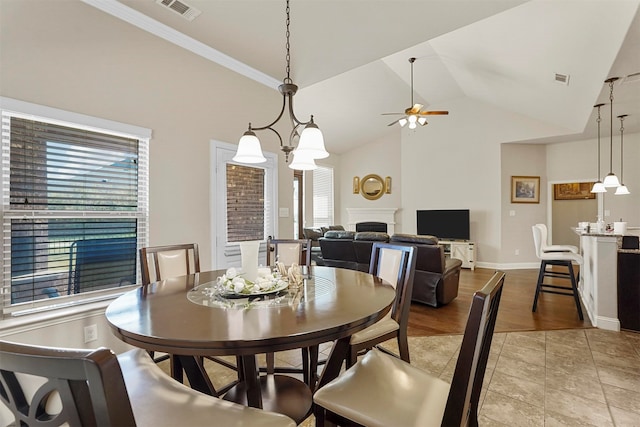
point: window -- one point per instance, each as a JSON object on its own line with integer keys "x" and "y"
{"x": 74, "y": 204}
{"x": 245, "y": 203}
{"x": 323, "y": 197}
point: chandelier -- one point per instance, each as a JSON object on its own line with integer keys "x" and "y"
{"x": 310, "y": 142}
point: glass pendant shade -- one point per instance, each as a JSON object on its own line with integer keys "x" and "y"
{"x": 302, "y": 161}
{"x": 312, "y": 142}
{"x": 422, "y": 121}
{"x": 249, "y": 150}
{"x": 402, "y": 122}
{"x": 611, "y": 180}
{"x": 598, "y": 187}
{"x": 621, "y": 190}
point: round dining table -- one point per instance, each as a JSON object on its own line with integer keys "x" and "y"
{"x": 187, "y": 318}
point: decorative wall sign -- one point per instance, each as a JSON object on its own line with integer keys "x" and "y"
{"x": 573, "y": 191}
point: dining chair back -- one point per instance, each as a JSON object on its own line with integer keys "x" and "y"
{"x": 381, "y": 390}
{"x": 165, "y": 262}
{"x": 57, "y": 386}
{"x": 546, "y": 247}
{"x": 289, "y": 251}
{"x": 395, "y": 264}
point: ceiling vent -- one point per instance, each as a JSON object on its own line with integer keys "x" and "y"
{"x": 562, "y": 79}
{"x": 181, "y": 8}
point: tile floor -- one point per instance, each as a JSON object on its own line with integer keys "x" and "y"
{"x": 576, "y": 377}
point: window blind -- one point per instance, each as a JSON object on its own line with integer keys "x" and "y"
{"x": 323, "y": 197}
{"x": 75, "y": 208}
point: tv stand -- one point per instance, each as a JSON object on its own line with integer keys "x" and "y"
{"x": 463, "y": 250}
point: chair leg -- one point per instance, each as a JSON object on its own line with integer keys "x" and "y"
{"x": 271, "y": 363}
{"x": 403, "y": 346}
{"x": 314, "y": 355}
{"x": 543, "y": 267}
{"x": 574, "y": 286}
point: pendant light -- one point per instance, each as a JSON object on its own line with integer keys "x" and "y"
{"x": 310, "y": 141}
{"x": 598, "y": 187}
{"x": 611, "y": 180}
{"x": 622, "y": 189}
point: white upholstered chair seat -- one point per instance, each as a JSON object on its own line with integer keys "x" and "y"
{"x": 380, "y": 328}
{"x": 416, "y": 398}
{"x": 155, "y": 397}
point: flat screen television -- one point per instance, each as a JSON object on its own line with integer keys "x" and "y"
{"x": 445, "y": 224}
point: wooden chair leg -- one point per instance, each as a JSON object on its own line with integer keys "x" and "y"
{"x": 271, "y": 363}
{"x": 403, "y": 346}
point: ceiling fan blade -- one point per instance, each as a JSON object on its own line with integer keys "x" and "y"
{"x": 393, "y": 123}
{"x": 392, "y": 114}
{"x": 433, "y": 113}
{"x": 414, "y": 110}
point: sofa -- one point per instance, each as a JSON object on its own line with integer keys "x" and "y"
{"x": 349, "y": 249}
{"x": 314, "y": 234}
{"x": 436, "y": 278}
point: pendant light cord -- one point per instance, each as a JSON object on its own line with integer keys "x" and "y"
{"x": 621, "y": 147}
{"x": 288, "y": 47}
{"x": 611, "y": 127}
{"x": 599, "y": 120}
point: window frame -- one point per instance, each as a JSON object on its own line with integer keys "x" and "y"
{"x": 330, "y": 218}
{"x": 18, "y": 108}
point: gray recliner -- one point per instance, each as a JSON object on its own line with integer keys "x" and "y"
{"x": 437, "y": 278}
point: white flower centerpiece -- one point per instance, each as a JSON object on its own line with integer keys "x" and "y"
{"x": 267, "y": 281}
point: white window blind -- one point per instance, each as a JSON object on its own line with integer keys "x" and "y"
{"x": 74, "y": 204}
{"x": 323, "y": 197}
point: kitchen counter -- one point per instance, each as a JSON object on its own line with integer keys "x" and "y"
{"x": 599, "y": 277}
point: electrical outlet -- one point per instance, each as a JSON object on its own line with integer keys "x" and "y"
{"x": 517, "y": 251}
{"x": 90, "y": 333}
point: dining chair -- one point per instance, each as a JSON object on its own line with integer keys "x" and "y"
{"x": 381, "y": 390}
{"x": 289, "y": 252}
{"x": 553, "y": 259}
{"x": 396, "y": 264}
{"x": 58, "y": 386}
{"x": 164, "y": 262}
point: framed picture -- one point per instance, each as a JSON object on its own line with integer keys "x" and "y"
{"x": 525, "y": 189}
{"x": 573, "y": 191}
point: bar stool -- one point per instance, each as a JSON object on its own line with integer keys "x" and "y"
{"x": 546, "y": 247}
{"x": 564, "y": 259}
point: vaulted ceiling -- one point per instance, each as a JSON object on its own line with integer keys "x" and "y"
{"x": 350, "y": 57}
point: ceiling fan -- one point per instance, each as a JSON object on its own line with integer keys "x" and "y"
{"x": 414, "y": 115}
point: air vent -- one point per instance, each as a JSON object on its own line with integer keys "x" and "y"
{"x": 181, "y": 8}
{"x": 562, "y": 79}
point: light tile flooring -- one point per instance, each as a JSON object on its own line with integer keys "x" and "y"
{"x": 576, "y": 377}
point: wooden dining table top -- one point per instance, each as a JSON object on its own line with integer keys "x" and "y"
{"x": 170, "y": 316}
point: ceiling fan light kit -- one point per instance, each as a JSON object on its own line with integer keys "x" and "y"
{"x": 310, "y": 140}
{"x": 414, "y": 115}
